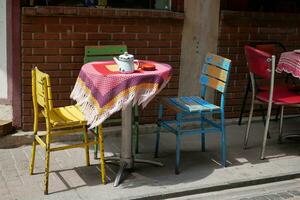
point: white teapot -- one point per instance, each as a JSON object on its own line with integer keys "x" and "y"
{"x": 125, "y": 62}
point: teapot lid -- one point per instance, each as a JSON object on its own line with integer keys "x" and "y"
{"x": 126, "y": 56}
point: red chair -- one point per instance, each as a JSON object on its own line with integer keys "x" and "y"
{"x": 262, "y": 65}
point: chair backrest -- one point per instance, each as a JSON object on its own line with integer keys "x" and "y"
{"x": 41, "y": 91}
{"x": 215, "y": 73}
{"x": 271, "y": 47}
{"x": 259, "y": 62}
{"x": 104, "y": 52}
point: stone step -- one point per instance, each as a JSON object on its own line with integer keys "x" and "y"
{"x": 5, "y": 127}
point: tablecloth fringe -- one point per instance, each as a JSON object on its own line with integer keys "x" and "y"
{"x": 88, "y": 105}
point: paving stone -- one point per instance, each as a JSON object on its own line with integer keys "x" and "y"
{"x": 259, "y": 198}
{"x": 294, "y": 192}
{"x": 273, "y": 197}
{"x": 285, "y": 195}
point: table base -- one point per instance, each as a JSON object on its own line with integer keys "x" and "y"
{"x": 124, "y": 165}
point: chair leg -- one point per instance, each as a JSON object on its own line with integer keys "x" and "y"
{"x": 178, "y": 141}
{"x": 32, "y": 155}
{"x": 262, "y": 155}
{"x": 86, "y": 140}
{"x": 35, "y": 130}
{"x": 101, "y": 150}
{"x": 223, "y": 140}
{"x": 136, "y": 127}
{"x": 264, "y": 117}
{"x": 96, "y": 146}
{"x": 244, "y": 102}
{"x": 281, "y": 124}
{"x": 160, "y": 113}
{"x": 47, "y": 160}
{"x": 178, "y": 137}
{"x": 249, "y": 124}
{"x": 202, "y": 134}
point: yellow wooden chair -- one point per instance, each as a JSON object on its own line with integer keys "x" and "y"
{"x": 59, "y": 121}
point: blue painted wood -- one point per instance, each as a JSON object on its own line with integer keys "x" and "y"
{"x": 186, "y": 115}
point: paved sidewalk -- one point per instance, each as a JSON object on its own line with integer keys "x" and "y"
{"x": 200, "y": 171}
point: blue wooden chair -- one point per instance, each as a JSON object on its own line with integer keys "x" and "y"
{"x": 215, "y": 75}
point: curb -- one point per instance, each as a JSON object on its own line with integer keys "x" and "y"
{"x": 221, "y": 187}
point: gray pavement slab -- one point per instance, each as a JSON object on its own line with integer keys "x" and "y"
{"x": 200, "y": 171}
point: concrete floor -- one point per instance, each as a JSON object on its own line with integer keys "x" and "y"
{"x": 200, "y": 171}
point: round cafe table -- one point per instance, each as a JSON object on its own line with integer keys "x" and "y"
{"x": 101, "y": 90}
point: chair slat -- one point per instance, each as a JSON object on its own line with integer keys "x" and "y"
{"x": 97, "y": 58}
{"x": 219, "y": 61}
{"x": 105, "y": 50}
{"x": 212, "y": 82}
{"x": 40, "y": 100}
{"x": 215, "y": 72}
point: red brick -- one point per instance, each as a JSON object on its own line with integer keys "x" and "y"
{"x": 136, "y": 43}
{"x": 83, "y": 11}
{"x": 70, "y": 66}
{"x": 99, "y": 36}
{"x": 73, "y": 20}
{"x": 81, "y": 43}
{"x": 159, "y": 58}
{"x": 26, "y": 51}
{"x": 96, "y": 12}
{"x": 72, "y": 51}
{"x": 46, "y": 36}
{"x": 148, "y": 36}
{"x": 33, "y": 28}
{"x": 27, "y": 36}
{"x": 49, "y": 66}
{"x": 32, "y": 43}
{"x": 168, "y": 51}
{"x": 99, "y": 21}
{"x": 124, "y": 36}
{"x": 170, "y": 36}
{"x": 148, "y": 51}
{"x": 59, "y": 59}
{"x": 109, "y": 12}
{"x": 45, "y": 51}
{"x": 160, "y": 29}
{"x": 77, "y": 59}
{"x": 58, "y": 43}
{"x": 70, "y": 11}
{"x": 29, "y": 11}
{"x": 111, "y": 28}
{"x": 85, "y": 28}
{"x": 76, "y": 36}
{"x": 137, "y": 29}
{"x": 58, "y": 28}
{"x": 43, "y": 10}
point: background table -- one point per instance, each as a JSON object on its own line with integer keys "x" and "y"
{"x": 289, "y": 62}
{"x": 101, "y": 90}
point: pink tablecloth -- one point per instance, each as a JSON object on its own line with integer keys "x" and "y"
{"x": 290, "y": 63}
{"x": 101, "y": 90}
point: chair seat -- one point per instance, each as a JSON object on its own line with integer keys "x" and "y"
{"x": 280, "y": 96}
{"x": 277, "y": 87}
{"x": 66, "y": 117}
{"x": 190, "y": 104}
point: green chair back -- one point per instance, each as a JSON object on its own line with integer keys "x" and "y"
{"x": 104, "y": 52}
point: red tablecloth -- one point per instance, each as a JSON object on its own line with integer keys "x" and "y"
{"x": 290, "y": 63}
{"x": 102, "y": 90}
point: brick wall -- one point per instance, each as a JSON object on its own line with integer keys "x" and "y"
{"x": 53, "y": 38}
{"x": 239, "y": 28}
